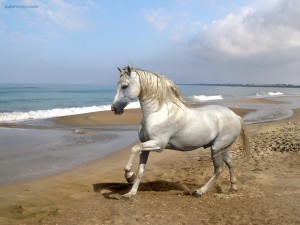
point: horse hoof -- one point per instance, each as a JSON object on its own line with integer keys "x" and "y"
{"x": 130, "y": 180}
{"x": 126, "y": 197}
{"x": 197, "y": 194}
{"x": 232, "y": 190}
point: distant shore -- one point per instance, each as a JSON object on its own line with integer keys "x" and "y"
{"x": 246, "y": 85}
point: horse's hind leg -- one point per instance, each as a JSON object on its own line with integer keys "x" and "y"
{"x": 218, "y": 167}
{"x": 228, "y": 162}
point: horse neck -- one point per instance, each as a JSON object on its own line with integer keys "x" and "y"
{"x": 149, "y": 106}
{"x": 153, "y": 106}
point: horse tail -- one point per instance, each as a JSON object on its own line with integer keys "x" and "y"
{"x": 245, "y": 140}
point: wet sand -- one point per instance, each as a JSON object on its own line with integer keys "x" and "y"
{"x": 268, "y": 184}
{"x": 132, "y": 117}
{"x": 31, "y": 153}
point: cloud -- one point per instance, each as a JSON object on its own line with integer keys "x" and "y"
{"x": 157, "y": 18}
{"x": 47, "y": 20}
{"x": 58, "y": 13}
{"x": 253, "y": 44}
{"x": 177, "y": 24}
{"x": 251, "y": 31}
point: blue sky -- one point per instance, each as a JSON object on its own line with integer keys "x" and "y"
{"x": 189, "y": 41}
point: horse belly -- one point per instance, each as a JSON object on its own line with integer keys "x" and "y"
{"x": 191, "y": 141}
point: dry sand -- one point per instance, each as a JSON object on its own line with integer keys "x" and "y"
{"x": 269, "y": 184}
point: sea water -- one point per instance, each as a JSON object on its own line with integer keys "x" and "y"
{"x": 21, "y": 102}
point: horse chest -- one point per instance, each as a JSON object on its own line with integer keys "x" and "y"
{"x": 154, "y": 131}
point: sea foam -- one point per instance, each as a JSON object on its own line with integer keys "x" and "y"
{"x": 202, "y": 98}
{"x": 51, "y": 113}
{"x": 269, "y": 94}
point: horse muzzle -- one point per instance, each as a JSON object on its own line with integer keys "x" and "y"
{"x": 117, "y": 110}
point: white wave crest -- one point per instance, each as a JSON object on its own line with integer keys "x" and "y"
{"x": 275, "y": 93}
{"x": 203, "y": 98}
{"x": 268, "y": 94}
{"x": 51, "y": 113}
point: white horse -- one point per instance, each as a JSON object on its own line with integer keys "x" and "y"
{"x": 168, "y": 123}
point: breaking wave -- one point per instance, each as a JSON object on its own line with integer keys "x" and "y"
{"x": 204, "y": 98}
{"x": 8, "y": 117}
{"x": 268, "y": 94}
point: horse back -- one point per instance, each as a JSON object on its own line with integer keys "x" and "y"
{"x": 218, "y": 118}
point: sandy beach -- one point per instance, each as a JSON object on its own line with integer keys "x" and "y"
{"x": 268, "y": 184}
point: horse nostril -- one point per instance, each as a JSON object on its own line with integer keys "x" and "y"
{"x": 113, "y": 109}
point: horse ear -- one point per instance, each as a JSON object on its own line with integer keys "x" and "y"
{"x": 119, "y": 70}
{"x": 129, "y": 69}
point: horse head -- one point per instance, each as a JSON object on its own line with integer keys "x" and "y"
{"x": 128, "y": 89}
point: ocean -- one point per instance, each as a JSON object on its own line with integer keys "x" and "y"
{"x": 21, "y": 102}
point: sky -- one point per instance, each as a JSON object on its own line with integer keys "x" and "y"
{"x": 189, "y": 41}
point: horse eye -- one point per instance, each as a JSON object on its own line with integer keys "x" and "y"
{"x": 124, "y": 86}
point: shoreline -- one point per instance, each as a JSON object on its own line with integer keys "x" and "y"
{"x": 134, "y": 116}
{"x": 69, "y": 143}
{"x": 32, "y": 201}
{"x": 106, "y": 118}
{"x": 83, "y": 139}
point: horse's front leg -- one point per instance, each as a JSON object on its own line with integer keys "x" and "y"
{"x": 144, "y": 149}
{"x": 143, "y": 160}
{"x": 129, "y": 175}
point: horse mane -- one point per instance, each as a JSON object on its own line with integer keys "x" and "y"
{"x": 157, "y": 87}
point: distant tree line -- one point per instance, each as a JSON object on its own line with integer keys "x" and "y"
{"x": 248, "y": 85}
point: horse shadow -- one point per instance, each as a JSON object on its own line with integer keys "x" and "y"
{"x": 116, "y": 190}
